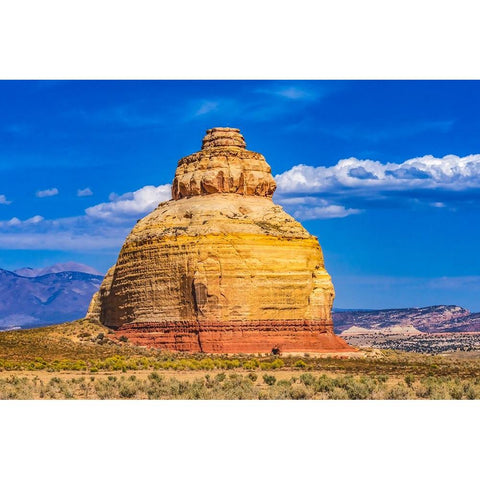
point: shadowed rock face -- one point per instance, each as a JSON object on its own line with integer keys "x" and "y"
{"x": 220, "y": 267}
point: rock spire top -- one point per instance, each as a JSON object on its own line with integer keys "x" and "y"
{"x": 223, "y": 165}
{"x": 223, "y": 137}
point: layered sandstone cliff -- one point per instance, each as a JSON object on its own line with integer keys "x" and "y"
{"x": 220, "y": 267}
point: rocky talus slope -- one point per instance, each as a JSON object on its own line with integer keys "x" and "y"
{"x": 220, "y": 267}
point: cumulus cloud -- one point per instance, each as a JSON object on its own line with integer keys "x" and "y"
{"x": 49, "y": 192}
{"x": 435, "y": 182}
{"x": 15, "y": 222}
{"x": 4, "y": 201}
{"x": 102, "y": 228}
{"x": 131, "y": 204}
{"x": 450, "y": 172}
{"x": 324, "y": 211}
{"x": 85, "y": 192}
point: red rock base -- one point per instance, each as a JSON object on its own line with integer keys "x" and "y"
{"x": 236, "y": 337}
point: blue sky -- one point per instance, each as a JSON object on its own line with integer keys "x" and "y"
{"x": 385, "y": 173}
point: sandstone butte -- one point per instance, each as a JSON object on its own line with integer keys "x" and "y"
{"x": 220, "y": 268}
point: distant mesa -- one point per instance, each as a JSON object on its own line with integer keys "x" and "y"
{"x": 220, "y": 268}
{"x": 394, "y": 330}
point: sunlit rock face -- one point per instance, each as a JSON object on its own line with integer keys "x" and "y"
{"x": 220, "y": 267}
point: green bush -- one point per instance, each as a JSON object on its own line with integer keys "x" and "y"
{"x": 277, "y": 364}
{"x": 269, "y": 379}
{"x": 307, "y": 379}
{"x": 298, "y": 392}
{"x": 409, "y": 379}
{"x": 300, "y": 364}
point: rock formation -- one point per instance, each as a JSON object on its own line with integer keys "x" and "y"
{"x": 220, "y": 267}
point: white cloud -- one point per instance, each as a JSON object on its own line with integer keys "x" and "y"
{"x": 353, "y": 185}
{"x": 313, "y": 208}
{"x": 460, "y": 283}
{"x": 49, "y": 192}
{"x": 85, "y": 192}
{"x": 448, "y": 182}
{"x": 4, "y": 201}
{"x": 131, "y": 204}
{"x": 66, "y": 234}
{"x": 290, "y": 93}
{"x": 14, "y": 222}
{"x": 428, "y": 173}
{"x": 64, "y": 241}
{"x": 325, "y": 211}
{"x": 103, "y": 227}
{"x": 206, "y": 106}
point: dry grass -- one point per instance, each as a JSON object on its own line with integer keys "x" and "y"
{"x": 233, "y": 386}
{"x": 79, "y": 360}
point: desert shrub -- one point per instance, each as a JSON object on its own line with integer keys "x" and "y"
{"x": 155, "y": 377}
{"x": 177, "y": 388}
{"x": 409, "y": 379}
{"x": 196, "y": 390}
{"x": 277, "y": 364}
{"x": 324, "y": 384}
{"x": 470, "y": 392}
{"x": 338, "y": 394}
{"x": 300, "y": 364}
{"x": 456, "y": 392}
{"x": 207, "y": 364}
{"x": 230, "y": 364}
{"x": 357, "y": 391}
{"x": 128, "y": 389}
{"x": 104, "y": 389}
{"x": 269, "y": 379}
{"x": 299, "y": 392}
{"x": 307, "y": 379}
{"x": 423, "y": 391}
{"x": 238, "y": 387}
{"x": 252, "y": 376}
{"x": 250, "y": 364}
{"x": 398, "y": 392}
{"x": 382, "y": 378}
{"x": 265, "y": 366}
{"x": 220, "y": 377}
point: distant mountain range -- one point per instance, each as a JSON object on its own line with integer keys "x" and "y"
{"x": 37, "y": 297}
{"x": 57, "y": 268}
{"x": 435, "y": 319}
{"x": 32, "y": 297}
